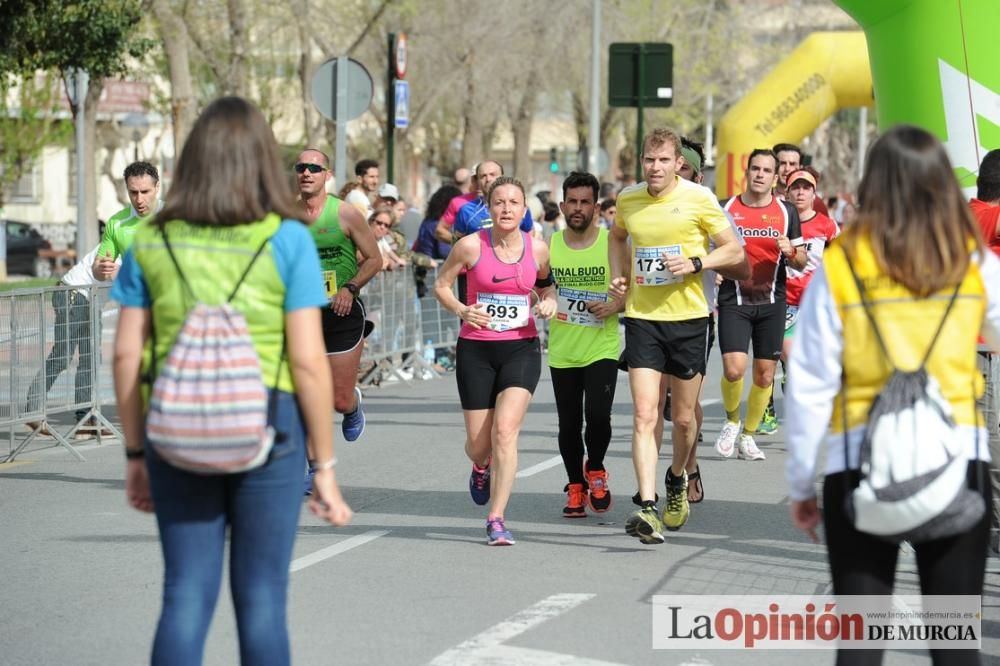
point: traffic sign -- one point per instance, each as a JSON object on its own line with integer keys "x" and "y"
{"x": 402, "y": 118}
{"x": 358, "y": 92}
{"x": 400, "y": 60}
{"x": 640, "y": 70}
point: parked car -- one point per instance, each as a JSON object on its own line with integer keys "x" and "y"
{"x": 27, "y": 252}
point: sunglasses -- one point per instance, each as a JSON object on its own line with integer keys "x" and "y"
{"x": 302, "y": 167}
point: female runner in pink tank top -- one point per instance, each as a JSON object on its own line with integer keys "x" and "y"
{"x": 498, "y": 357}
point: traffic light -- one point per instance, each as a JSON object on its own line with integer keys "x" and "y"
{"x": 553, "y": 160}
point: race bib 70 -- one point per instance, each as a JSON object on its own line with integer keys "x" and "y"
{"x": 573, "y": 307}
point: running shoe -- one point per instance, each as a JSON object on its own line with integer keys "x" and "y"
{"x": 308, "y": 482}
{"x": 675, "y": 507}
{"x": 645, "y": 525}
{"x": 479, "y": 484}
{"x": 353, "y": 425}
{"x": 768, "y": 424}
{"x": 576, "y": 498}
{"x": 725, "y": 445}
{"x": 600, "y": 495}
{"x": 497, "y": 534}
{"x": 748, "y": 448}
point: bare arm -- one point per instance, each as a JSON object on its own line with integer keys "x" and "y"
{"x": 133, "y": 329}
{"x": 314, "y": 390}
{"x": 547, "y": 304}
{"x": 354, "y": 226}
{"x": 443, "y": 232}
{"x": 728, "y": 257}
{"x": 462, "y": 256}
{"x": 618, "y": 261}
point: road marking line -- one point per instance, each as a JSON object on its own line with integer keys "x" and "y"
{"x": 335, "y": 549}
{"x": 540, "y": 467}
{"x": 516, "y": 624}
{"x": 521, "y": 656}
{"x": 711, "y": 401}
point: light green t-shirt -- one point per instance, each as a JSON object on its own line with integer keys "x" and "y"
{"x": 118, "y": 233}
{"x": 576, "y": 337}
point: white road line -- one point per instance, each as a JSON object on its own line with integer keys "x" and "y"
{"x": 508, "y": 655}
{"x": 515, "y": 625}
{"x": 335, "y": 549}
{"x": 540, "y": 467}
{"x": 711, "y": 401}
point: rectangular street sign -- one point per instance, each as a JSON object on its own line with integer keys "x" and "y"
{"x": 656, "y": 63}
{"x": 402, "y": 119}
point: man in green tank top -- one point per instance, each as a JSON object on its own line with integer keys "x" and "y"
{"x": 142, "y": 181}
{"x": 341, "y": 233}
{"x": 583, "y": 346}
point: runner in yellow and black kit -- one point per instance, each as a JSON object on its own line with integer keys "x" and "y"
{"x": 670, "y": 222}
{"x": 339, "y": 231}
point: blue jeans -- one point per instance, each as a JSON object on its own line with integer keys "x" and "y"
{"x": 261, "y": 508}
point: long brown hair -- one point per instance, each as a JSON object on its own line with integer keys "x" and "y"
{"x": 913, "y": 212}
{"x": 229, "y": 171}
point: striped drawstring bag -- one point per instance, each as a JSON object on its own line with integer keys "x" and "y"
{"x": 209, "y": 408}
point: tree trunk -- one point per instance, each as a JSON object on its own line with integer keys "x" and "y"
{"x": 94, "y": 88}
{"x": 239, "y": 82}
{"x": 306, "y": 69}
{"x": 174, "y": 34}
{"x": 521, "y": 119}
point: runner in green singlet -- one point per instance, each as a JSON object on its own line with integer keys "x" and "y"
{"x": 339, "y": 231}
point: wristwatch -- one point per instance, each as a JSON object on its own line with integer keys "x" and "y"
{"x": 696, "y": 262}
{"x": 353, "y": 288}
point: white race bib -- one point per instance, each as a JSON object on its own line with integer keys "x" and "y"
{"x": 573, "y": 307}
{"x": 508, "y": 311}
{"x": 650, "y": 270}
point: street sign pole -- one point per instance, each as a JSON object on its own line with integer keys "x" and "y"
{"x": 639, "y": 130}
{"x": 390, "y": 109}
{"x": 340, "y": 104}
{"x": 82, "y": 242}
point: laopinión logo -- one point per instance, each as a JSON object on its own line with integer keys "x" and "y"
{"x": 816, "y": 622}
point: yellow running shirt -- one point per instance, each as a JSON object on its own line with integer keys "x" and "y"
{"x": 680, "y": 223}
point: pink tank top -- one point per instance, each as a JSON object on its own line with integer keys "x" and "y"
{"x": 505, "y": 290}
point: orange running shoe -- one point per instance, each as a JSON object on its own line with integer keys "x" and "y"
{"x": 600, "y": 496}
{"x": 576, "y": 498}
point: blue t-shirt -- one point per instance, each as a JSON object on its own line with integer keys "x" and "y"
{"x": 475, "y": 215}
{"x": 294, "y": 256}
{"x": 428, "y": 243}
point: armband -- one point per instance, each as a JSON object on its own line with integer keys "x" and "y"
{"x": 541, "y": 283}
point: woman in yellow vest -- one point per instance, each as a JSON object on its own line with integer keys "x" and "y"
{"x": 913, "y": 245}
{"x": 230, "y": 207}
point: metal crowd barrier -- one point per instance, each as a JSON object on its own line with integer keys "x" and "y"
{"x": 62, "y": 337}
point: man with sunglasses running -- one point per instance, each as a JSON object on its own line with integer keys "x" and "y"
{"x": 339, "y": 231}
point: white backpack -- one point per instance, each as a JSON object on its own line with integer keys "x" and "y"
{"x": 913, "y": 475}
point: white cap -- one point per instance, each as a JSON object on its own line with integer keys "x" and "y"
{"x": 388, "y": 191}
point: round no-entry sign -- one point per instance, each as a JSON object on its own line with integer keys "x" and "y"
{"x": 401, "y": 55}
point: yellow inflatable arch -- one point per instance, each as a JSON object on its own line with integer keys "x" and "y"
{"x": 828, "y": 71}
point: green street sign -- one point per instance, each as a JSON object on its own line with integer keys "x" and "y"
{"x": 648, "y": 62}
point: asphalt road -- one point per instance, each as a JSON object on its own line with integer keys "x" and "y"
{"x": 411, "y": 580}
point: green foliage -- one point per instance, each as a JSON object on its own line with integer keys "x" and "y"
{"x": 95, "y": 35}
{"x": 28, "y": 124}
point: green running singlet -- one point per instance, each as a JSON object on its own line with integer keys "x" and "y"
{"x": 337, "y": 255}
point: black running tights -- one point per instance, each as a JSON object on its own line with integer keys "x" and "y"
{"x": 863, "y": 564}
{"x": 584, "y": 393}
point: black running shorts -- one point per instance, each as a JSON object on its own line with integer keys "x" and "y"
{"x": 677, "y": 348}
{"x": 343, "y": 334}
{"x": 484, "y": 368}
{"x": 763, "y": 324}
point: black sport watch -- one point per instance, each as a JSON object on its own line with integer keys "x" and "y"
{"x": 353, "y": 288}
{"x": 696, "y": 262}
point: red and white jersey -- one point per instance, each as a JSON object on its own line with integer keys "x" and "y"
{"x": 761, "y": 227}
{"x": 817, "y": 232}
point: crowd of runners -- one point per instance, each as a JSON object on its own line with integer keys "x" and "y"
{"x": 670, "y": 262}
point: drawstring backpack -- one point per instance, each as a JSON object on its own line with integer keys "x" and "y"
{"x": 913, "y": 472}
{"x": 209, "y": 408}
